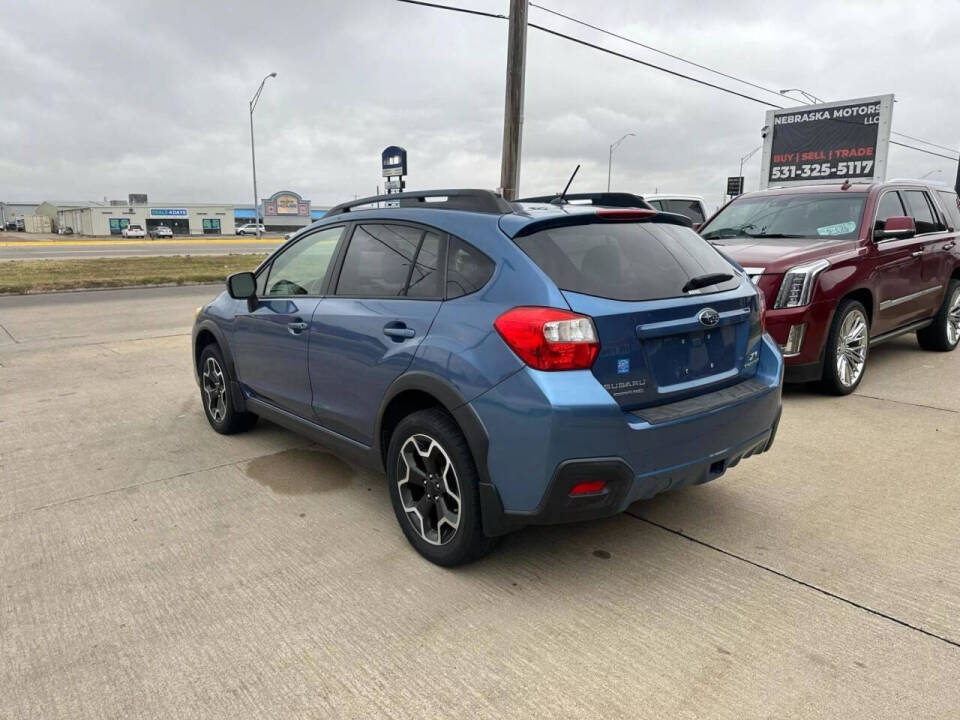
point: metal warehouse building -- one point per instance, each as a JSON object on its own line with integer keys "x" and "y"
{"x": 182, "y": 218}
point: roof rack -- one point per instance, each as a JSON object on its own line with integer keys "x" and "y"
{"x": 607, "y": 199}
{"x": 485, "y": 201}
{"x": 916, "y": 181}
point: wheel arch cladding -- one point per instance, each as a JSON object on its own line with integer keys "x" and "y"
{"x": 204, "y": 338}
{"x": 417, "y": 391}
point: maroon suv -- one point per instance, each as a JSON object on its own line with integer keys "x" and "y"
{"x": 843, "y": 267}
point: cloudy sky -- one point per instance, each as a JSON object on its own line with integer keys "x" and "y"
{"x": 100, "y": 99}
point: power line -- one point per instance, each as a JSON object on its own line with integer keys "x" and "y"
{"x": 496, "y": 16}
{"x": 928, "y": 152}
{"x": 925, "y": 142}
{"x": 646, "y": 63}
{"x": 599, "y": 29}
{"x": 656, "y": 50}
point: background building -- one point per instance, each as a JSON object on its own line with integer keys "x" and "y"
{"x": 182, "y": 218}
{"x": 282, "y": 212}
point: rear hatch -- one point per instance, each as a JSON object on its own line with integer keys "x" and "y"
{"x": 662, "y": 339}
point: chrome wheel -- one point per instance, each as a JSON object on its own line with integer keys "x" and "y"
{"x": 429, "y": 490}
{"x": 852, "y": 341}
{"x": 953, "y": 319}
{"x": 215, "y": 389}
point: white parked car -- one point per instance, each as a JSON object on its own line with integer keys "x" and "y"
{"x": 133, "y": 231}
{"x": 690, "y": 205}
{"x": 161, "y": 231}
{"x": 250, "y": 229}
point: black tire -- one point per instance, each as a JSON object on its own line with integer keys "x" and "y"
{"x": 836, "y": 380}
{"x": 937, "y": 336}
{"x": 464, "y": 543}
{"x": 219, "y": 406}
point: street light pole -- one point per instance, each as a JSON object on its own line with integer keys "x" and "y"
{"x": 613, "y": 146}
{"x": 809, "y": 96}
{"x": 253, "y": 154}
{"x": 747, "y": 157}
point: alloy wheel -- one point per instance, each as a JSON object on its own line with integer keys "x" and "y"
{"x": 429, "y": 489}
{"x": 953, "y": 319}
{"x": 852, "y": 343}
{"x": 215, "y": 389}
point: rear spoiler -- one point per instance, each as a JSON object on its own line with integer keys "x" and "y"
{"x": 606, "y": 199}
{"x": 585, "y": 218}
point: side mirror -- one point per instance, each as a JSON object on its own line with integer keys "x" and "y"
{"x": 242, "y": 286}
{"x": 897, "y": 227}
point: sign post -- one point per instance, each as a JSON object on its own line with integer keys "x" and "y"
{"x": 827, "y": 143}
{"x": 393, "y": 161}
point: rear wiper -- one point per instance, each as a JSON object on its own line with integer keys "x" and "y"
{"x": 702, "y": 281}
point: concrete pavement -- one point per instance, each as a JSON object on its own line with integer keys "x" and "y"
{"x": 150, "y": 567}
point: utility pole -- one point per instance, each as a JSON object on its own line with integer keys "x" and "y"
{"x": 253, "y": 153}
{"x": 513, "y": 105}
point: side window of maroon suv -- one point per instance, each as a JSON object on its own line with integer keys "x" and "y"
{"x": 888, "y": 207}
{"x": 919, "y": 208}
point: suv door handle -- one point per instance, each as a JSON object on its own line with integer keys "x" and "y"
{"x": 950, "y": 245}
{"x": 916, "y": 253}
{"x": 296, "y": 327}
{"x": 398, "y": 331}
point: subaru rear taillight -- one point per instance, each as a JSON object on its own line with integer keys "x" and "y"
{"x": 549, "y": 338}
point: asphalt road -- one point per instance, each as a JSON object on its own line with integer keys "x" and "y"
{"x": 59, "y": 250}
{"x": 150, "y": 568}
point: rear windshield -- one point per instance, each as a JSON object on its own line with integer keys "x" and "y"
{"x": 626, "y": 261}
{"x": 794, "y": 215}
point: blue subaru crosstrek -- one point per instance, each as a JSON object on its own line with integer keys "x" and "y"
{"x": 505, "y": 363}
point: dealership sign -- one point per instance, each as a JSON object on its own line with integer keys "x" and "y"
{"x": 827, "y": 143}
{"x": 168, "y": 212}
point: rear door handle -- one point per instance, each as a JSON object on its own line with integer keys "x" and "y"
{"x": 297, "y": 326}
{"x": 916, "y": 253}
{"x": 398, "y": 332}
{"x": 950, "y": 245}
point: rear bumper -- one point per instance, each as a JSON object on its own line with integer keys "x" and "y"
{"x": 549, "y": 431}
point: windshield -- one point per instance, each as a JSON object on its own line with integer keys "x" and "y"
{"x": 817, "y": 215}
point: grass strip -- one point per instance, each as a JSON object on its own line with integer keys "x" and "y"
{"x": 28, "y": 276}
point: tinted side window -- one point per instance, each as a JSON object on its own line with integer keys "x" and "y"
{"x": 690, "y": 208}
{"x": 302, "y": 268}
{"x": 920, "y": 210}
{"x": 426, "y": 276}
{"x": 378, "y": 260}
{"x": 468, "y": 269}
{"x": 951, "y": 206}
{"x": 889, "y": 206}
{"x": 657, "y": 204}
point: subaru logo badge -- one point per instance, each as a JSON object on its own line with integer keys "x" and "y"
{"x": 709, "y": 317}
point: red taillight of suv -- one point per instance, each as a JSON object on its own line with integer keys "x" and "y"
{"x": 549, "y": 338}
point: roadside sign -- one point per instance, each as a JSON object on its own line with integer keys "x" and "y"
{"x": 827, "y": 143}
{"x": 735, "y": 185}
{"x": 393, "y": 162}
